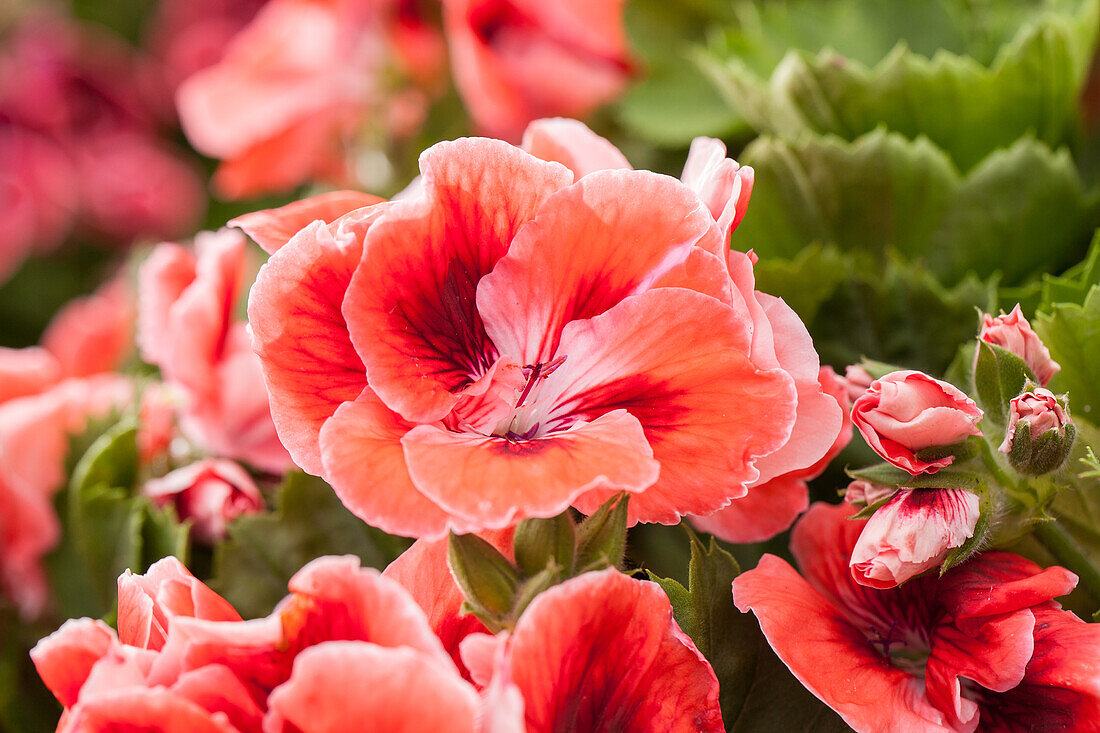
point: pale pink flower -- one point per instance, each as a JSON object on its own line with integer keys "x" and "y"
{"x": 187, "y": 326}
{"x": 209, "y": 493}
{"x": 858, "y": 381}
{"x": 911, "y": 533}
{"x": 906, "y": 412}
{"x": 1014, "y": 333}
{"x": 866, "y": 493}
{"x": 515, "y": 61}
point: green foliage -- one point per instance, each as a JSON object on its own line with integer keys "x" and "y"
{"x": 966, "y": 108}
{"x": 758, "y": 692}
{"x": 106, "y": 528}
{"x": 1022, "y": 210}
{"x": 855, "y": 307}
{"x": 1072, "y": 333}
{"x": 263, "y": 551}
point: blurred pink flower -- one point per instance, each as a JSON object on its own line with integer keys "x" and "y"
{"x": 94, "y": 334}
{"x": 286, "y": 102}
{"x": 209, "y": 493}
{"x": 906, "y": 412}
{"x": 515, "y": 61}
{"x": 982, "y": 647}
{"x": 79, "y": 143}
{"x": 911, "y": 533}
{"x": 187, "y": 326}
{"x": 1014, "y": 333}
{"x": 34, "y": 433}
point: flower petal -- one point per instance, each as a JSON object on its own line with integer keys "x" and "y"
{"x": 592, "y": 244}
{"x": 601, "y": 652}
{"x": 677, "y": 361}
{"x": 494, "y": 481}
{"x": 761, "y": 514}
{"x": 410, "y": 306}
{"x": 341, "y": 685}
{"x": 829, "y": 655}
{"x": 365, "y": 463}
{"x": 299, "y": 333}
{"x": 272, "y": 228}
{"x": 64, "y": 659}
{"x": 573, "y": 144}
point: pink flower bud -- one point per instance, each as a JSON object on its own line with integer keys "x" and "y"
{"x": 907, "y": 412}
{"x": 210, "y": 493}
{"x": 1013, "y": 333}
{"x": 911, "y": 533}
{"x": 866, "y": 493}
{"x": 1039, "y": 435}
{"x": 858, "y": 380}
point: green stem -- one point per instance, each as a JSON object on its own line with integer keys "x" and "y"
{"x": 1068, "y": 552}
{"x": 995, "y": 468}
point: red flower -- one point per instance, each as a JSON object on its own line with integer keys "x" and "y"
{"x": 908, "y": 411}
{"x": 505, "y": 344}
{"x": 981, "y": 644}
{"x": 187, "y": 327}
{"x": 516, "y": 60}
{"x": 602, "y": 652}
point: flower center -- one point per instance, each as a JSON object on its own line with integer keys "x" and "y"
{"x": 527, "y": 415}
{"x": 903, "y": 648}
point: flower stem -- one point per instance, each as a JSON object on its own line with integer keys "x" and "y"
{"x": 1068, "y": 552}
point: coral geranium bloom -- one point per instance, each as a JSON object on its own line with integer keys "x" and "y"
{"x": 936, "y": 654}
{"x": 602, "y": 652}
{"x": 510, "y": 344}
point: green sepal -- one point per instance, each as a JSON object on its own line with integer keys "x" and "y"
{"x": 542, "y": 543}
{"x": 999, "y": 375}
{"x": 601, "y": 538}
{"x": 945, "y": 478}
{"x": 487, "y": 578}
{"x": 111, "y": 460}
{"x": 974, "y": 543}
{"x": 867, "y": 511}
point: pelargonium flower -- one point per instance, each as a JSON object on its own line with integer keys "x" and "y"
{"x": 779, "y": 338}
{"x": 187, "y": 326}
{"x": 602, "y": 652}
{"x": 209, "y": 493}
{"x": 911, "y": 533}
{"x": 906, "y": 413}
{"x": 1014, "y": 333}
{"x": 277, "y": 118}
{"x": 516, "y": 60}
{"x": 505, "y": 343}
{"x": 983, "y": 646}
{"x": 347, "y": 645}
{"x": 34, "y": 440}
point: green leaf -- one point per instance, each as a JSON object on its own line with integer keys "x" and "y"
{"x": 882, "y": 473}
{"x": 1072, "y": 333}
{"x": 263, "y": 551}
{"x": 999, "y": 376}
{"x": 680, "y": 598}
{"x": 964, "y": 107}
{"x": 807, "y": 281}
{"x": 883, "y": 193}
{"x": 110, "y": 461}
{"x": 945, "y": 478}
{"x": 674, "y": 105}
{"x": 757, "y": 692}
{"x": 897, "y": 313}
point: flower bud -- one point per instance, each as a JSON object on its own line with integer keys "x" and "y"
{"x": 1040, "y": 434}
{"x": 487, "y": 578}
{"x": 857, "y": 380}
{"x": 911, "y": 419}
{"x": 541, "y": 542}
{"x": 210, "y": 493}
{"x": 1013, "y": 333}
{"x": 911, "y": 533}
{"x": 865, "y": 493}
